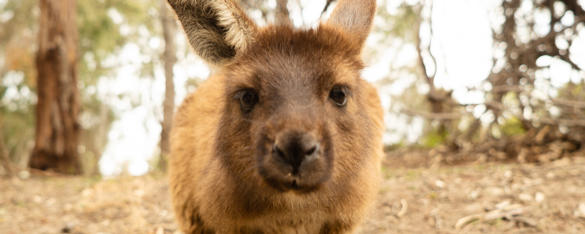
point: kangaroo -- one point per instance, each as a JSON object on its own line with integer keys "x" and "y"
{"x": 285, "y": 136}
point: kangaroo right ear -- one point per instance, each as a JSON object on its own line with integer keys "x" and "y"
{"x": 216, "y": 29}
{"x": 354, "y": 17}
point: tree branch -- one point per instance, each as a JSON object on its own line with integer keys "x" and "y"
{"x": 434, "y": 116}
{"x": 430, "y": 78}
{"x": 282, "y": 16}
{"x": 568, "y": 103}
{"x": 566, "y": 122}
{"x": 5, "y": 160}
{"x": 327, "y": 5}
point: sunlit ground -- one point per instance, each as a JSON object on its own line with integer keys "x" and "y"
{"x": 476, "y": 198}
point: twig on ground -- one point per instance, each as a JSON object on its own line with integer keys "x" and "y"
{"x": 403, "y": 208}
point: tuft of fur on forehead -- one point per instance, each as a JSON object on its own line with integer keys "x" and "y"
{"x": 281, "y": 55}
{"x": 325, "y": 41}
{"x": 282, "y": 49}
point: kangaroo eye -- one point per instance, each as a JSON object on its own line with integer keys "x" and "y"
{"x": 248, "y": 99}
{"x": 338, "y": 95}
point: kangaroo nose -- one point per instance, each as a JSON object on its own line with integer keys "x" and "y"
{"x": 294, "y": 148}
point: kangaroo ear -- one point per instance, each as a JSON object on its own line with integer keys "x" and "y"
{"x": 216, "y": 29}
{"x": 354, "y": 17}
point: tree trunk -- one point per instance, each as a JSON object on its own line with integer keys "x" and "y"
{"x": 326, "y": 7}
{"x": 57, "y": 126}
{"x": 169, "y": 58}
{"x": 5, "y": 160}
{"x": 282, "y": 14}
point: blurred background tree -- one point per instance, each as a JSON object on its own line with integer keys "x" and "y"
{"x": 524, "y": 115}
{"x": 100, "y": 37}
{"x": 57, "y": 125}
{"x": 169, "y": 57}
{"x": 524, "y": 106}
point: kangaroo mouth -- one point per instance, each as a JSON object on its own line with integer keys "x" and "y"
{"x": 294, "y": 185}
{"x": 309, "y": 177}
{"x": 294, "y": 163}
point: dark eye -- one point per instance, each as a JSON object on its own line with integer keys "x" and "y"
{"x": 248, "y": 99}
{"x": 338, "y": 95}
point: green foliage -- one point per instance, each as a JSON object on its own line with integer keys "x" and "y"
{"x": 18, "y": 37}
{"x": 512, "y": 127}
{"x": 396, "y": 146}
{"x": 434, "y": 138}
{"x": 104, "y": 28}
{"x": 574, "y": 91}
{"x": 23, "y": 16}
{"x": 17, "y": 128}
{"x": 401, "y": 23}
{"x": 405, "y": 20}
{"x": 100, "y": 34}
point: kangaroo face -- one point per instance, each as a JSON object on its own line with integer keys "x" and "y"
{"x": 285, "y": 135}
{"x": 291, "y": 98}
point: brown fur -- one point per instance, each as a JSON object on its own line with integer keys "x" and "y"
{"x": 218, "y": 152}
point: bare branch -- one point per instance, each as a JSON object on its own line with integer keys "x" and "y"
{"x": 430, "y": 78}
{"x": 282, "y": 16}
{"x": 4, "y": 159}
{"x": 575, "y": 7}
{"x": 568, "y": 60}
{"x": 508, "y": 88}
{"x": 434, "y": 116}
{"x": 568, "y": 103}
{"x": 566, "y": 122}
{"x": 327, "y": 5}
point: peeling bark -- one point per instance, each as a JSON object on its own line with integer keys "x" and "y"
{"x": 57, "y": 126}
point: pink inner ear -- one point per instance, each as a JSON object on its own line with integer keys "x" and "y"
{"x": 354, "y": 17}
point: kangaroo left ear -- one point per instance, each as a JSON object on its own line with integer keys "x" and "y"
{"x": 354, "y": 17}
{"x": 216, "y": 29}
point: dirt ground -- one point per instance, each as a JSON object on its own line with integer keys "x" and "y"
{"x": 470, "y": 198}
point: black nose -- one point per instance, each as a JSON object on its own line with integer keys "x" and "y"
{"x": 294, "y": 148}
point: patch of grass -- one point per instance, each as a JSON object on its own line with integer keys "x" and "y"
{"x": 513, "y": 127}
{"x": 412, "y": 175}
{"x": 496, "y": 222}
{"x": 433, "y": 195}
{"x": 434, "y": 138}
{"x": 387, "y": 172}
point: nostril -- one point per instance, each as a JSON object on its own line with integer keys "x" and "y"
{"x": 312, "y": 150}
{"x": 277, "y": 150}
